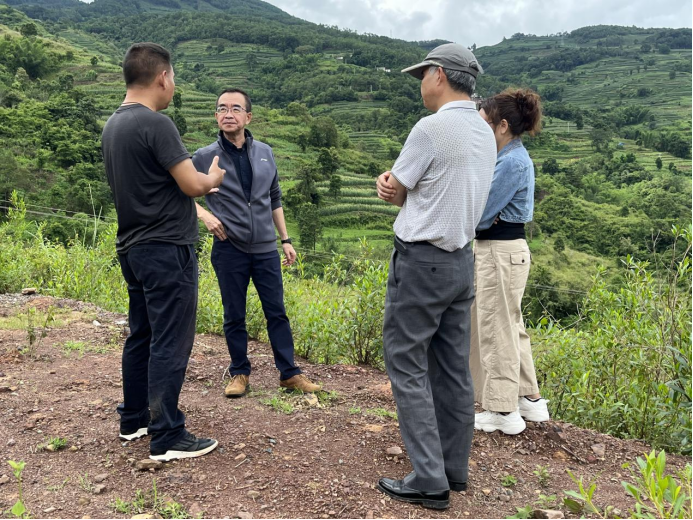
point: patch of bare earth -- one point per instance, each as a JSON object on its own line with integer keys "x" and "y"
{"x": 279, "y": 456}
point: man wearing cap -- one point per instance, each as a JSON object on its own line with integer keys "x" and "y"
{"x": 441, "y": 180}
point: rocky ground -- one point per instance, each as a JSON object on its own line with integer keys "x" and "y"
{"x": 279, "y": 455}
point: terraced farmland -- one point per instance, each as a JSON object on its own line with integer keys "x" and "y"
{"x": 229, "y": 65}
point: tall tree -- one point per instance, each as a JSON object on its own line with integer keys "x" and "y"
{"x": 335, "y": 189}
{"x": 309, "y": 225}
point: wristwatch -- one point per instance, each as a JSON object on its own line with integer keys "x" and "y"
{"x": 286, "y": 241}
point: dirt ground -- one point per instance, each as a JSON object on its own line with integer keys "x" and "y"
{"x": 279, "y": 455}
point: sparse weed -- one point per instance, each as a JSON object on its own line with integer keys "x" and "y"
{"x": 150, "y": 501}
{"x": 279, "y": 404}
{"x": 82, "y": 346}
{"x": 543, "y": 475}
{"x": 546, "y": 501}
{"x": 327, "y": 397}
{"x": 85, "y": 483}
{"x": 508, "y": 481}
{"x": 35, "y": 332}
{"x": 56, "y": 443}
{"x": 381, "y": 412}
{"x": 354, "y": 410}
{"x": 523, "y": 512}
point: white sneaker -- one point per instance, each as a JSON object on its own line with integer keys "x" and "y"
{"x": 510, "y": 424}
{"x": 533, "y": 411}
{"x": 131, "y": 436}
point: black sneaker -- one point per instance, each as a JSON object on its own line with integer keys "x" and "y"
{"x": 186, "y": 448}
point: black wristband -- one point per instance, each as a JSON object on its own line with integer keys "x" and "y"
{"x": 287, "y": 241}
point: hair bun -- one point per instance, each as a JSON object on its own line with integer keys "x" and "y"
{"x": 522, "y": 102}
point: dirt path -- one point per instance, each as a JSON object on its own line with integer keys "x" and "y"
{"x": 279, "y": 456}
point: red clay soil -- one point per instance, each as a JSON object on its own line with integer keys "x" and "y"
{"x": 306, "y": 460}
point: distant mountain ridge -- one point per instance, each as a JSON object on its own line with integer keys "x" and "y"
{"x": 76, "y": 10}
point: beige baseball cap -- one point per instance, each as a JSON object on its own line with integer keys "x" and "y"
{"x": 451, "y": 56}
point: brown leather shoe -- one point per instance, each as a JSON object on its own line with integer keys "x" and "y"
{"x": 238, "y": 386}
{"x": 300, "y": 382}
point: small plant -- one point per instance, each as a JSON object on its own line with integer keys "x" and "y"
{"x": 58, "y": 487}
{"x": 327, "y": 398}
{"x": 18, "y": 510}
{"x": 543, "y": 476}
{"x": 523, "y": 512}
{"x": 546, "y": 501}
{"x": 82, "y": 346}
{"x": 508, "y": 481}
{"x": 121, "y": 506}
{"x": 56, "y": 444}
{"x": 34, "y": 333}
{"x": 656, "y": 493}
{"x": 85, "y": 483}
{"x": 354, "y": 411}
{"x": 382, "y": 412}
{"x": 582, "y": 501}
{"x": 279, "y": 404}
{"x": 75, "y": 346}
{"x": 150, "y": 501}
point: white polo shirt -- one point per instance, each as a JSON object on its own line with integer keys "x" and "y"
{"x": 447, "y": 166}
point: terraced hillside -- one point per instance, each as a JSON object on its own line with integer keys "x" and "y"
{"x": 628, "y": 87}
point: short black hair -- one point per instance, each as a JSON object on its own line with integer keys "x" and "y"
{"x": 143, "y": 62}
{"x": 248, "y": 104}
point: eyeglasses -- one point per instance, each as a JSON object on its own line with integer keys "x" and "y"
{"x": 236, "y": 109}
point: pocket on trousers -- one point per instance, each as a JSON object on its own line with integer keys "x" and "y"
{"x": 485, "y": 283}
{"x": 519, "y": 265}
{"x": 186, "y": 257}
{"x": 393, "y": 266}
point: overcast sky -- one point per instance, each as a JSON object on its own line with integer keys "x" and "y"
{"x": 484, "y": 22}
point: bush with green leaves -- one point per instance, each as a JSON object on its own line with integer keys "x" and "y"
{"x": 336, "y": 317}
{"x": 625, "y": 367}
{"x": 656, "y": 493}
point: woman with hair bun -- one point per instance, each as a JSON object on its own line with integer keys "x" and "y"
{"x": 501, "y": 362}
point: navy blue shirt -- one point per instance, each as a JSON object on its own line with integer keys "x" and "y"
{"x": 240, "y": 159}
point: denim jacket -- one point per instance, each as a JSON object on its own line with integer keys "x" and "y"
{"x": 512, "y": 190}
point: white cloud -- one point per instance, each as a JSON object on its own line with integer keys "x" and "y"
{"x": 482, "y": 21}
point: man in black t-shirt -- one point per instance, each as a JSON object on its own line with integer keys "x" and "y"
{"x": 153, "y": 181}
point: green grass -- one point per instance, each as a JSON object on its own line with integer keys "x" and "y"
{"x": 150, "y": 502}
{"x": 21, "y": 321}
{"x": 80, "y": 347}
{"x": 56, "y": 443}
{"x": 381, "y": 412}
{"x": 279, "y": 404}
{"x": 508, "y": 481}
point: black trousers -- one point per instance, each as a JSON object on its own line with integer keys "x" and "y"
{"x": 234, "y": 269}
{"x": 162, "y": 286}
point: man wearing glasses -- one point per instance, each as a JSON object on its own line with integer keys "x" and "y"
{"x": 244, "y": 214}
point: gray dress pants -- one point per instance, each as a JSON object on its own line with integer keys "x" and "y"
{"x": 426, "y": 335}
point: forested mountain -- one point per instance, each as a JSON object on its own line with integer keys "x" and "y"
{"x": 613, "y": 163}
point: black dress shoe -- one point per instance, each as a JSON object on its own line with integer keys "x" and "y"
{"x": 457, "y": 486}
{"x": 397, "y": 490}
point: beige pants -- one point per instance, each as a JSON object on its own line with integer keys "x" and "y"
{"x": 501, "y": 355}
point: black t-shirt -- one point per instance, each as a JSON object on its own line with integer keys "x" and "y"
{"x": 139, "y": 147}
